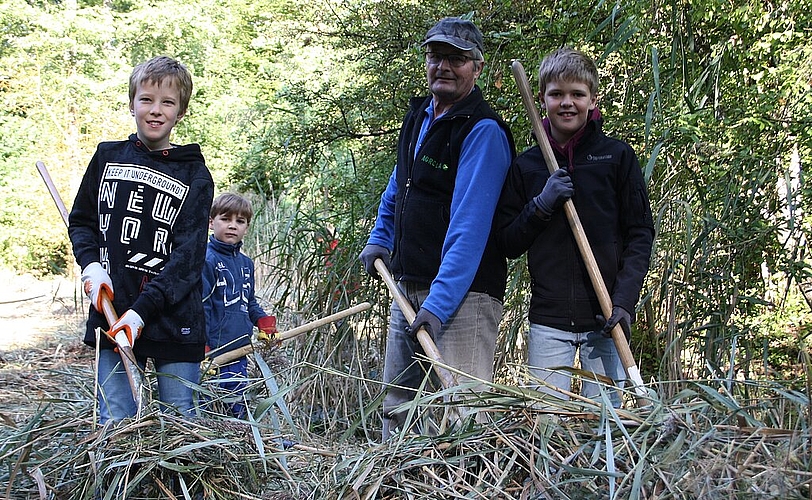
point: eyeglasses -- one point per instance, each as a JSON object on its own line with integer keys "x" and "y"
{"x": 455, "y": 60}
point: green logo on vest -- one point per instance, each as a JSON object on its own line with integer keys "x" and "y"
{"x": 434, "y": 163}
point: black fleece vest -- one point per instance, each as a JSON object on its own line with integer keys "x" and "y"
{"x": 425, "y": 187}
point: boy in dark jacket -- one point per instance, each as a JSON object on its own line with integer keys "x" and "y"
{"x": 229, "y": 301}
{"x": 138, "y": 229}
{"x": 602, "y": 176}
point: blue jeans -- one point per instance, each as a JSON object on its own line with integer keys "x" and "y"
{"x": 549, "y": 347}
{"x": 467, "y": 341}
{"x": 116, "y": 398}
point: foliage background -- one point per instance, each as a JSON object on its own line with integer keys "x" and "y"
{"x": 298, "y": 104}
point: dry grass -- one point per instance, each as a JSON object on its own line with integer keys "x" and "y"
{"x": 316, "y": 425}
{"x": 703, "y": 443}
{"x": 52, "y": 447}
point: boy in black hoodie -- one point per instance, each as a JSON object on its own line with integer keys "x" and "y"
{"x": 138, "y": 227}
{"x": 603, "y": 178}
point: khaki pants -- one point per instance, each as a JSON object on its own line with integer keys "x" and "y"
{"x": 466, "y": 342}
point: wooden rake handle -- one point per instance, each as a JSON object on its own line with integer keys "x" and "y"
{"x": 124, "y": 349}
{"x": 423, "y": 337}
{"x": 229, "y": 356}
{"x": 619, "y": 338}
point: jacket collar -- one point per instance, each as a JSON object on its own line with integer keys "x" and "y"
{"x": 464, "y": 107}
{"x": 593, "y": 123}
{"x": 176, "y": 153}
{"x": 224, "y": 248}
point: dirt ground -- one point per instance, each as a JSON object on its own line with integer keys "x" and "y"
{"x": 32, "y": 310}
{"x": 41, "y": 349}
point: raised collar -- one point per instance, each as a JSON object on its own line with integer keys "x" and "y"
{"x": 224, "y": 248}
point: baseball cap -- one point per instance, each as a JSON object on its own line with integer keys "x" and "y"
{"x": 460, "y": 33}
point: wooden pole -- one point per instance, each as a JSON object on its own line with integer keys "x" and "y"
{"x": 446, "y": 378}
{"x": 124, "y": 347}
{"x": 229, "y": 356}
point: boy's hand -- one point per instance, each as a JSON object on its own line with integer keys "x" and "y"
{"x": 557, "y": 191}
{"x": 368, "y": 256}
{"x": 267, "y": 327}
{"x": 619, "y": 315}
{"x": 427, "y": 320}
{"x": 94, "y": 280}
{"x": 130, "y": 323}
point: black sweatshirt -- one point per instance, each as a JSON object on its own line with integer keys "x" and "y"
{"x": 144, "y": 216}
{"x": 613, "y": 206}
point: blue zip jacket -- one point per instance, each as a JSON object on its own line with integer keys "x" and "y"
{"x": 228, "y": 296}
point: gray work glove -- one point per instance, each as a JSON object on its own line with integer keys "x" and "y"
{"x": 619, "y": 315}
{"x": 368, "y": 256}
{"x": 558, "y": 190}
{"x": 427, "y": 320}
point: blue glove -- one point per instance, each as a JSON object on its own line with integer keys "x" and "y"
{"x": 369, "y": 254}
{"x": 427, "y": 320}
{"x": 557, "y": 190}
{"x": 619, "y": 315}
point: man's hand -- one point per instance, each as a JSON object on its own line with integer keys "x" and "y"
{"x": 369, "y": 254}
{"x": 130, "y": 323}
{"x": 619, "y": 315}
{"x": 427, "y": 320}
{"x": 94, "y": 280}
{"x": 558, "y": 190}
{"x": 267, "y": 328}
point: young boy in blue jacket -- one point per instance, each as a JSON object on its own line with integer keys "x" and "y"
{"x": 229, "y": 302}
{"x": 602, "y": 176}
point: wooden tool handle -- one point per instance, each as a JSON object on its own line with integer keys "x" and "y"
{"x": 126, "y": 351}
{"x": 299, "y": 330}
{"x": 49, "y": 183}
{"x": 239, "y": 352}
{"x": 423, "y": 337}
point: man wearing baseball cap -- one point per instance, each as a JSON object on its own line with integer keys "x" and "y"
{"x": 433, "y": 228}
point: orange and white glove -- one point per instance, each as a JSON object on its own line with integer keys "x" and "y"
{"x": 128, "y": 327}
{"x": 94, "y": 280}
{"x": 267, "y": 327}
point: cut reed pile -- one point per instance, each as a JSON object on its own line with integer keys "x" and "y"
{"x": 699, "y": 445}
{"x": 705, "y": 443}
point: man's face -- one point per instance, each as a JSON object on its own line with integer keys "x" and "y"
{"x": 450, "y": 84}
